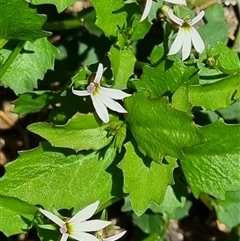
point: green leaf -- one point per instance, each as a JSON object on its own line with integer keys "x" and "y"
{"x": 157, "y": 53}
{"x": 24, "y": 104}
{"x": 215, "y": 20}
{"x": 165, "y": 77}
{"x": 227, "y": 59}
{"x": 214, "y": 13}
{"x": 231, "y": 113}
{"x": 127, "y": 207}
{"x": 82, "y": 132}
{"x": 110, "y": 15}
{"x": 122, "y": 62}
{"x": 146, "y": 181}
{"x": 29, "y": 66}
{"x": 229, "y": 209}
{"x": 209, "y": 96}
{"x": 213, "y": 167}
{"x": 182, "y": 212}
{"x": 47, "y": 235}
{"x": 20, "y": 21}
{"x": 14, "y": 214}
{"x": 159, "y": 129}
{"x": 60, "y": 4}
{"x": 138, "y": 29}
{"x": 149, "y": 222}
{"x": 169, "y": 204}
{"x": 54, "y": 177}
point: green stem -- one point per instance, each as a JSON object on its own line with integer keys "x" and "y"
{"x": 63, "y": 25}
{"x": 11, "y": 58}
{"x": 108, "y": 203}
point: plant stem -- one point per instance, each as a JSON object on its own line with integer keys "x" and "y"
{"x": 63, "y": 25}
{"x": 11, "y": 58}
{"x": 108, "y": 203}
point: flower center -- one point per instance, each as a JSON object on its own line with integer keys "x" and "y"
{"x": 186, "y": 25}
{"x": 91, "y": 88}
{"x": 64, "y": 229}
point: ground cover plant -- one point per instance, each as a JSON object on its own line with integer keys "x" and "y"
{"x": 125, "y": 115}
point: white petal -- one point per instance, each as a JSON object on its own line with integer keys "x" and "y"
{"x": 83, "y": 237}
{"x": 84, "y": 214}
{"x": 187, "y": 45}
{"x": 115, "y": 237}
{"x": 64, "y": 237}
{"x": 52, "y": 217}
{"x": 99, "y": 74}
{"x": 80, "y": 92}
{"x": 177, "y": 43}
{"x": 197, "y": 40}
{"x": 111, "y": 104}
{"x": 174, "y": 18}
{"x": 146, "y": 10}
{"x": 114, "y": 93}
{"x": 100, "y": 108}
{"x": 176, "y": 1}
{"x": 90, "y": 226}
{"x": 197, "y": 18}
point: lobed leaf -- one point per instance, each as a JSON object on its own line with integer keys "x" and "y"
{"x": 159, "y": 129}
{"x": 82, "y": 132}
{"x": 24, "y": 24}
{"x": 165, "y": 77}
{"x": 146, "y": 181}
{"x": 110, "y": 15}
{"x": 169, "y": 204}
{"x": 209, "y": 96}
{"x": 29, "y": 66}
{"x": 213, "y": 167}
{"x": 54, "y": 177}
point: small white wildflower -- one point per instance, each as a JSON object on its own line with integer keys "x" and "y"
{"x": 186, "y": 36}
{"x": 103, "y": 97}
{"x": 77, "y": 226}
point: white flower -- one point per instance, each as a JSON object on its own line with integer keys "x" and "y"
{"x": 148, "y": 6}
{"x": 186, "y": 36}
{"x": 77, "y": 226}
{"x": 103, "y": 97}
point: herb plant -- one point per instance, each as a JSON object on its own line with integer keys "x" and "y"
{"x": 140, "y": 105}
